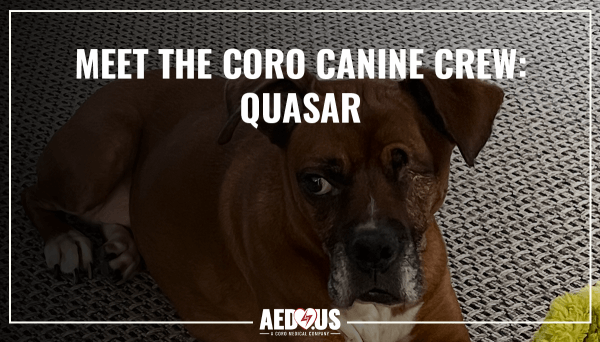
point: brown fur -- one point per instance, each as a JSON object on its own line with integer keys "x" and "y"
{"x": 225, "y": 229}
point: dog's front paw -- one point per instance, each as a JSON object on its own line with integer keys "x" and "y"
{"x": 119, "y": 257}
{"x": 68, "y": 253}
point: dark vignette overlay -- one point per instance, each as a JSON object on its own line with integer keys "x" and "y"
{"x": 516, "y": 225}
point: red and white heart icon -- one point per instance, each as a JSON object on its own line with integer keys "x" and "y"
{"x": 305, "y": 318}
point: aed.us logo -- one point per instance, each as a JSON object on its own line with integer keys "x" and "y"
{"x": 300, "y": 322}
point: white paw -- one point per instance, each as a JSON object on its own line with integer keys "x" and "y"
{"x": 70, "y": 251}
{"x": 120, "y": 251}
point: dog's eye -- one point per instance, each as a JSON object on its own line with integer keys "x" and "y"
{"x": 399, "y": 158}
{"x": 317, "y": 185}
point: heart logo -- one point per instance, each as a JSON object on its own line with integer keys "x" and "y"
{"x": 305, "y": 318}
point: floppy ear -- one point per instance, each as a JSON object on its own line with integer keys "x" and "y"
{"x": 462, "y": 109}
{"x": 278, "y": 133}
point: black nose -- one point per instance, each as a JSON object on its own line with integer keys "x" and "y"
{"x": 373, "y": 250}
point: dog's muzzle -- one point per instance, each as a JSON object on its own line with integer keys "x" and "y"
{"x": 378, "y": 263}
{"x": 373, "y": 251}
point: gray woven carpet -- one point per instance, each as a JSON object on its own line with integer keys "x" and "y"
{"x": 516, "y": 225}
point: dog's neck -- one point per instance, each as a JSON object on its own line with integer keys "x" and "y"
{"x": 377, "y": 332}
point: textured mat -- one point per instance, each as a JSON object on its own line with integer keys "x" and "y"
{"x": 516, "y": 225}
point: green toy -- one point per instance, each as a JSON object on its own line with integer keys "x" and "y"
{"x": 570, "y": 308}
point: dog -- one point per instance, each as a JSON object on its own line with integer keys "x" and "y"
{"x": 231, "y": 220}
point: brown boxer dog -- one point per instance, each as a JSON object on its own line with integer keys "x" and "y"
{"x": 284, "y": 216}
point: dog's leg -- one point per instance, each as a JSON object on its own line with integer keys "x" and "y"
{"x": 66, "y": 249}
{"x": 119, "y": 256}
{"x": 83, "y": 171}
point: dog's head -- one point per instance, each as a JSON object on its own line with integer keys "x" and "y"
{"x": 370, "y": 190}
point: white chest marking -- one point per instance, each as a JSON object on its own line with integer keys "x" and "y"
{"x": 377, "y": 332}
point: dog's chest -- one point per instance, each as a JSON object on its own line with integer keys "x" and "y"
{"x": 377, "y": 332}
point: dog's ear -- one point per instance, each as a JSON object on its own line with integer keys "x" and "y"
{"x": 462, "y": 109}
{"x": 278, "y": 133}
